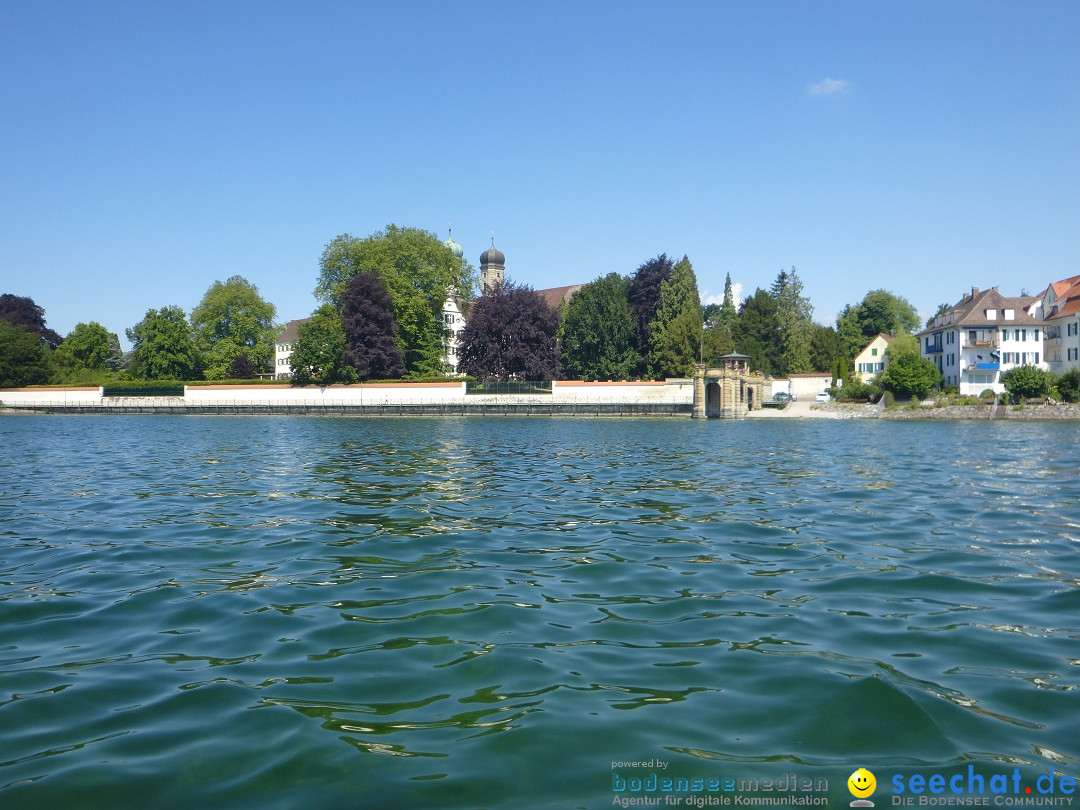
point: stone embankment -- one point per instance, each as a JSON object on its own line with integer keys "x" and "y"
{"x": 930, "y": 410}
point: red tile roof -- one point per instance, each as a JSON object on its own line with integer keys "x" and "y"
{"x": 289, "y": 335}
{"x": 556, "y": 295}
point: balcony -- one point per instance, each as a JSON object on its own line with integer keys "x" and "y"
{"x": 933, "y": 348}
{"x": 990, "y": 343}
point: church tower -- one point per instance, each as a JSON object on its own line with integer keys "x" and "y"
{"x": 453, "y": 319}
{"x": 492, "y": 269}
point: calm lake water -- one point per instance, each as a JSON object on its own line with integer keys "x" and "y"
{"x": 265, "y": 612}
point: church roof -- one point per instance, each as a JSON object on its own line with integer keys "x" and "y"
{"x": 289, "y": 333}
{"x": 556, "y": 295}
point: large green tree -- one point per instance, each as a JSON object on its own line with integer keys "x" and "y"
{"x": 757, "y": 332}
{"x": 825, "y": 348}
{"x": 721, "y": 321}
{"x": 794, "y": 316}
{"x": 902, "y": 344}
{"x": 318, "y": 354}
{"x": 163, "y": 346}
{"x": 597, "y": 331}
{"x": 232, "y": 320}
{"x": 118, "y": 359}
{"x": 86, "y": 348}
{"x": 676, "y": 333}
{"x": 24, "y": 357}
{"x": 728, "y": 313}
{"x": 941, "y": 310}
{"x": 644, "y": 299}
{"x": 418, "y": 270}
{"x": 880, "y": 312}
{"x": 716, "y": 341}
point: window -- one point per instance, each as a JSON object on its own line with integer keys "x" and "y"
{"x": 1036, "y": 335}
{"x": 1010, "y": 314}
{"x": 991, "y": 314}
{"x": 873, "y": 352}
{"x": 1023, "y": 334}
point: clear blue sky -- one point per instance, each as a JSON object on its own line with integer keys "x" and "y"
{"x": 148, "y": 149}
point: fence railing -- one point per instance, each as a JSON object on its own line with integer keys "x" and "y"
{"x": 143, "y": 391}
{"x": 500, "y": 388}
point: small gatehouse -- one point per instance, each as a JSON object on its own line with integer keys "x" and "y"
{"x": 729, "y": 391}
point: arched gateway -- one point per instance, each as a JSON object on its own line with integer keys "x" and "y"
{"x": 729, "y": 391}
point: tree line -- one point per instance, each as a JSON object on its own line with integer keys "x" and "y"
{"x": 230, "y": 334}
{"x": 382, "y": 296}
{"x": 380, "y": 317}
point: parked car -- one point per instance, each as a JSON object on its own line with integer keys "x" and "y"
{"x": 823, "y": 397}
{"x": 782, "y": 396}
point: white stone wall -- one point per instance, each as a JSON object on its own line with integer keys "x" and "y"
{"x": 50, "y": 397}
{"x": 372, "y": 394}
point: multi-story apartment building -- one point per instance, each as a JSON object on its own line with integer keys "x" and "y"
{"x": 1059, "y": 305}
{"x": 983, "y": 335}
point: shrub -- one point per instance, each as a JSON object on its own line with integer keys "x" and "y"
{"x": 855, "y": 389}
{"x": 1025, "y": 382}
{"x": 911, "y": 376}
{"x": 1068, "y": 386}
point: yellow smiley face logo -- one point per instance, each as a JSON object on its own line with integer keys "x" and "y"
{"x": 861, "y": 783}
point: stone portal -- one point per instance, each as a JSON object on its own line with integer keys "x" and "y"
{"x": 729, "y": 391}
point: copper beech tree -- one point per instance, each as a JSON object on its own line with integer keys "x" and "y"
{"x": 511, "y": 335}
{"x": 371, "y": 345}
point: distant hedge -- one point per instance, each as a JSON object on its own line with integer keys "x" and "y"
{"x": 149, "y": 388}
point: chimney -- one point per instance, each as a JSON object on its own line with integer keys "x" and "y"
{"x": 974, "y": 291}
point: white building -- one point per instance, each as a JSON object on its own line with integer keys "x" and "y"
{"x": 454, "y": 323}
{"x": 1059, "y": 305}
{"x": 871, "y": 360}
{"x": 982, "y": 336}
{"x": 283, "y": 349}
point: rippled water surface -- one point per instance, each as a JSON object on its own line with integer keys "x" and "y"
{"x": 229, "y": 612}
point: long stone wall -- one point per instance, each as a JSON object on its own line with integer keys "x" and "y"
{"x": 566, "y": 397}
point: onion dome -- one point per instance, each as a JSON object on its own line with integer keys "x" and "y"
{"x": 493, "y": 256}
{"x": 455, "y": 248}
